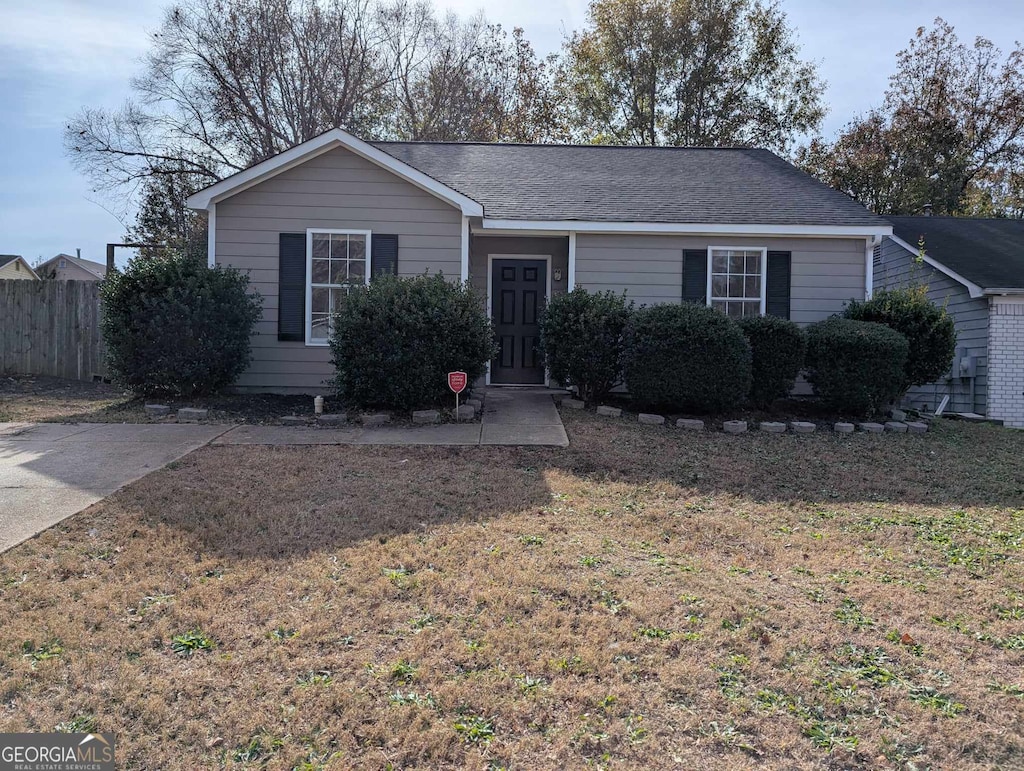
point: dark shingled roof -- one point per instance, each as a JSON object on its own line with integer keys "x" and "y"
{"x": 6, "y": 258}
{"x": 632, "y": 184}
{"x": 989, "y": 252}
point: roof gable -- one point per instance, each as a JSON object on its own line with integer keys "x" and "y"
{"x": 988, "y": 253}
{"x": 97, "y": 269}
{"x": 8, "y": 259}
{"x": 317, "y": 146}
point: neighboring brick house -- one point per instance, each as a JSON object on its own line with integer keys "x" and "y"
{"x": 975, "y": 268}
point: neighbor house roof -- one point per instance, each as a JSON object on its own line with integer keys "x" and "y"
{"x": 608, "y": 188}
{"x": 985, "y": 252}
{"x": 632, "y": 184}
{"x": 98, "y": 269}
{"x": 6, "y": 259}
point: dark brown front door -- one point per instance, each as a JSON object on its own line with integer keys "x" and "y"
{"x": 518, "y": 294}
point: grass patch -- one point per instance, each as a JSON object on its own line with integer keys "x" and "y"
{"x": 192, "y": 642}
{"x": 642, "y": 599}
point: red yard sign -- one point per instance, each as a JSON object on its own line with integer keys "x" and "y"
{"x": 457, "y": 381}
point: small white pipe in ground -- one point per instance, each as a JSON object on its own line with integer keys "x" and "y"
{"x": 318, "y": 405}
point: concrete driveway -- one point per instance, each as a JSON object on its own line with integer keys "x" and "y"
{"x": 49, "y": 471}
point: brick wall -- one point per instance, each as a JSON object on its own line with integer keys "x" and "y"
{"x": 1006, "y": 362}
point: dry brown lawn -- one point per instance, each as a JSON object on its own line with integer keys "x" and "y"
{"x": 37, "y": 398}
{"x": 646, "y": 598}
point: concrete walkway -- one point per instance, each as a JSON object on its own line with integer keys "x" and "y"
{"x": 49, "y": 471}
{"x": 511, "y": 417}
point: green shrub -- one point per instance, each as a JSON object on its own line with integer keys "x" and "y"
{"x": 777, "y": 348}
{"x": 394, "y": 341}
{"x": 685, "y": 357}
{"x": 928, "y": 328}
{"x": 581, "y": 339}
{"x": 175, "y": 327}
{"x": 855, "y": 366}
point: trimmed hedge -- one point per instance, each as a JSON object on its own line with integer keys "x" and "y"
{"x": 778, "y": 347}
{"x": 581, "y": 339}
{"x": 394, "y": 341}
{"x": 855, "y": 367}
{"x": 928, "y": 328}
{"x": 686, "y": 357}
{"x": 175, "y": 327}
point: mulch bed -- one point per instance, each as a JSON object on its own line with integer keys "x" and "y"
{"x": 55, "y": 400}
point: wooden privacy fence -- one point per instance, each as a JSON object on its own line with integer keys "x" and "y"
{"x": 51, "y": 328}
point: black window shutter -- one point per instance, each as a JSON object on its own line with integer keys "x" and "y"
{"x": 777, "y": 284}
{"x": 291, "y": 287}
{"x": 695, "y": 275}
{"x": 383, "y": 255}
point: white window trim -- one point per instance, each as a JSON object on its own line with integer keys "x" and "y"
{"x": 764, "y": 272}
{"x": 309, "y": 274}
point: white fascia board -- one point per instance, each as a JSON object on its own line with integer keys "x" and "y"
{"x": 973, "y": 289}
{"x": 322, "y": 144}
{"x": 1007, "y": 294}
{"x": 671, "y": 228}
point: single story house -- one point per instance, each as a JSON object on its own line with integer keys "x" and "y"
{"x": 975, "y": 268}
{"x": 14, "y": 266}
{"x": 64, "y": 267}
{"x": 740, "y": 229}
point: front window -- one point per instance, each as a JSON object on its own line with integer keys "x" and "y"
{"x": 736, "y": 281}
{"x": 337, "y": 260}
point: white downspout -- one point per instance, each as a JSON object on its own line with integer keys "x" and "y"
{"x": 572, "y": 260}
{"x": 211, "y": 235}
{"x": 465, "y": 249}
{"x": 869, "y": 265}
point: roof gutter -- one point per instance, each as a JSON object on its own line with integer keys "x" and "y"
{"x": 686, "y": 228}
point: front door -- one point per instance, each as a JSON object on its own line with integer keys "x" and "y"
{"x": 518, "y": 295}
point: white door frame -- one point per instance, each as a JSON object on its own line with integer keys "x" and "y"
{"x": 490, "y": 315}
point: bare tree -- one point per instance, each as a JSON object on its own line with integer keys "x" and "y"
{"x": 465, "y": 80}
{"x": 228, "y": 83}
{"x": 231, "y": 82}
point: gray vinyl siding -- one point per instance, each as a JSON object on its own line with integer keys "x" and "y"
{"x": 896, "y": 267}
{"x": 826, "y": 273}
{"x": 337, "y": 189}
{"x": 482, "y": 246}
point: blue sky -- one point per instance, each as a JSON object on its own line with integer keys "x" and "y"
{"x": 59, "y": 55}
